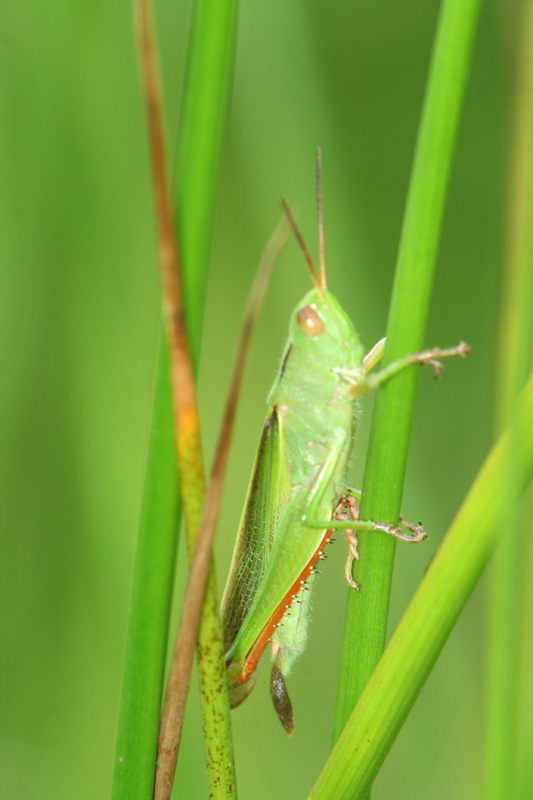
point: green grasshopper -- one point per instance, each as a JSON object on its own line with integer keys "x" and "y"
{"x": 297, "y": 494}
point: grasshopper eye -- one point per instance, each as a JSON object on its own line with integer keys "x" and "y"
{"x": 309, "y": 322}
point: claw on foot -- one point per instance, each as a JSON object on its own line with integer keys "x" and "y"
{"x": 418, "y": 531}
{"x": 430, "y": 357}
{"x": 348, "y": 574}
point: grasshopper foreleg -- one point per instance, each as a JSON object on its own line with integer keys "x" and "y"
{"x": 363, "y": 382}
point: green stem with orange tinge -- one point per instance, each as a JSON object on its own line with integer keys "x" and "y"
{"x": 205, "y": 101}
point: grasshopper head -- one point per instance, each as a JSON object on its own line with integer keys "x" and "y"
{"x": 321, "y": 328}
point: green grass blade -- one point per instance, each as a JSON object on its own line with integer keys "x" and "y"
{"x": 431, "y": 615}
{"x": 206, "y": 99}
{"x": 208, "y": 83}
{"x": 153, "y": 577}
{"x": 366, "y": 615}
{"x": 506, "y": 589}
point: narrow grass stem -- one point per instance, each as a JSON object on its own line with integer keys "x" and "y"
{"x": 205, "y": 104}
{"x": 366, "y": 616}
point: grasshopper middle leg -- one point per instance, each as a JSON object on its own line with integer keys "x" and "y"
{"x": 406, "y": 531}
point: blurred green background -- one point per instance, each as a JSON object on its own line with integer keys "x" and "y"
{"x": 79, "y": 296}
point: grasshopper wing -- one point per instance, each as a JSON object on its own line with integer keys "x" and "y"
{"x": 269, "y": 494}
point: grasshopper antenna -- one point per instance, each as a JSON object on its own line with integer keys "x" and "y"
{"x": 321, "y": 260}
{"x": 292, "y": 222}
